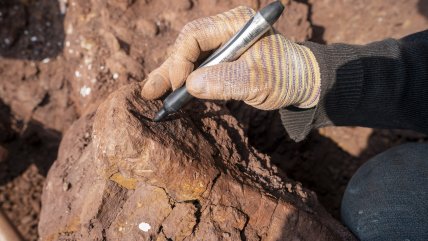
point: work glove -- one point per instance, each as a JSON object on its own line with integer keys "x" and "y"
{"x": 272, "y": 74}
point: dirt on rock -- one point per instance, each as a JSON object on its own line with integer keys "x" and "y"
{"x": 60, "y": 59}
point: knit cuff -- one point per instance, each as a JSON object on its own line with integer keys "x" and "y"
{"x": 342, "y": 76}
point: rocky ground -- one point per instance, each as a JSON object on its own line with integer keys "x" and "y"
{"x": 61, "y": 58}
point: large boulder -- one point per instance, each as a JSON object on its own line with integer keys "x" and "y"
{"x": 120, "y": 176}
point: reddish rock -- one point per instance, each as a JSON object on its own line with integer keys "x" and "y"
{"x": 181, "y": 221}
{"x": 146, "y": 27}
{"x": 182, "y": 5}
{"x": 183, "y": 179}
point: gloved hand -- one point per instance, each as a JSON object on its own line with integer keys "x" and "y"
{"x": 273, "y": 73}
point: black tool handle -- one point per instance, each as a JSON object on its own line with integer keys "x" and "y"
{"x": 177, "y": 99}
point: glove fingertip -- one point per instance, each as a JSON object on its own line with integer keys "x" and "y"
{"x": 155, "y": 87}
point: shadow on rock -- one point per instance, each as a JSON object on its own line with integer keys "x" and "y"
{"x": 30, "y": 30}
{"x": 318, "y": 162}
{"x": 317, "y": 30}
{"x": 24, "y": 145}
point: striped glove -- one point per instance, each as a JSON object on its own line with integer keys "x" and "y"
{"x": 273, "y": 73}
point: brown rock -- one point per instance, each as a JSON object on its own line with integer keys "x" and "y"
{"x": 142, "y": 215}
{"x": 181, "y": 221}
{"x": 182, "y": 5}
{"x": 193, "y": 181}
{"x": 123, "y": 65}
{"x": 146, "y": 27}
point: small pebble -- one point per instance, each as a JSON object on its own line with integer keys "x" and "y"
{"x": 85, "y": 91}
{"x": 145, "y": 227}
{"x": 147, "y": 28}
{"x": 48, "y": 186}
{"x": 62, "y": 6}
{"x": 289, "y": 186}
{"x": 115, "y": 76}
{"x": 66, "y": 186}
{"x": 77, "y": 74}
{"x": 46, "y": 60}
{"x": 87, "y": 60}
{"x": 182, "y": 5}
{"x": 69, "y": 29}
{"x": 300, "y": 191}
{"x": 33, "y": 39}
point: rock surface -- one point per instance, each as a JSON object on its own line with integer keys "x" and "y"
{"x": 120, "y": 176}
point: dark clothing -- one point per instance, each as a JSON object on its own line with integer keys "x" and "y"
{"x": 387, "y": 198}
{"x": 382, "y": 84}
{"x": 385, "y": 85}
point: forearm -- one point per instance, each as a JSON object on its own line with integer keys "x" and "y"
{"x": 383, "y": 84}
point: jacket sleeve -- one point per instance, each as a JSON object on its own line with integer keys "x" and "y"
{"x": 382, "y": 85}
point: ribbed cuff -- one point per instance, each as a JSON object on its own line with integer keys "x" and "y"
{"x": 342, "y": 76}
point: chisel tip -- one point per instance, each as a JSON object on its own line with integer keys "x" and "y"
{"x": 160, "y": 115}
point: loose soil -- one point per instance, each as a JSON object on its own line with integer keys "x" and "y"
{"x": 60, "y": 57}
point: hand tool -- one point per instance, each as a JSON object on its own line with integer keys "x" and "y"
{"x": 235, "y": 47}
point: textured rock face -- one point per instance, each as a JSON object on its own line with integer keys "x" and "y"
{"x": 120, "y": 176}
